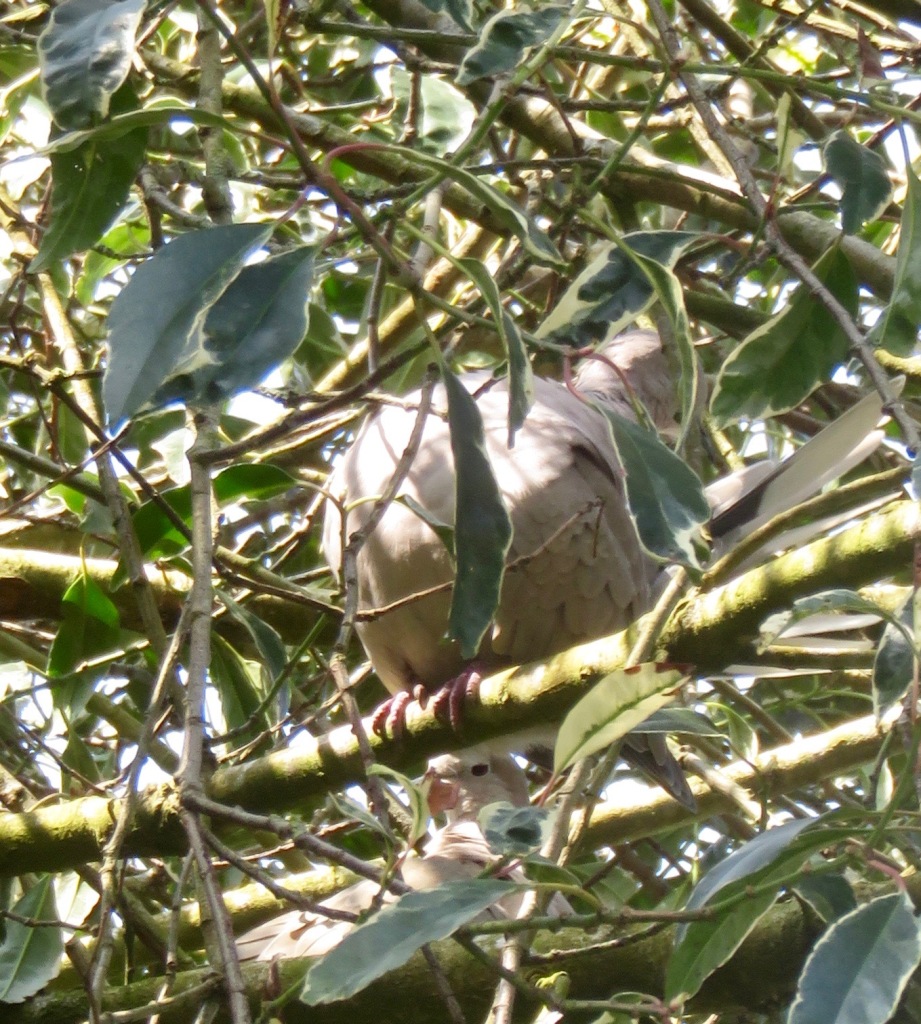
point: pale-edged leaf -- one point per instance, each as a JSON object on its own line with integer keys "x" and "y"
{"x": 783, "y": 361}
{"x": 30, "y": 957}
{"x": 482, "y": 528}
{"x": 164, "y": 306}
{"x": 893, "y": 666}
{"x": 502, "y": 207}
{"x": 520, "y": 374}
{"x": 272, "y": 654}
{"x": 827, "y": 602}
{"x": 665, "y": 496}
{"x": 257, "y": 322}
{"x": 515, "y": 831}
{"x": 119, "y": 125}
{"x": 858, "y": 969}
{"x": 504, "y": 41}
{"x": 678, "y": 721}
{"x": 415, "y": 796}
{"x": 459, "y": 11}
{"x": 85, "y": 54}
{"x": 613, "y": 707}
{"x": 89, "y": 186}
{"x": 829, "y": 895}
{"x": 861, "y": 175}
{"x": 394, "y": 933}
{"x": 897, "y": 328}
{"x": 763, "y": 864}
{"x": 614, "y": 289}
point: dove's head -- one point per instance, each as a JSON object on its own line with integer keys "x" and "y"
{"x": 461, "y": 785}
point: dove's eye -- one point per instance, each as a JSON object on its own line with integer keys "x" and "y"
{"x": 479, "y": 770}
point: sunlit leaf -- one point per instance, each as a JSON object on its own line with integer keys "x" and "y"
{"x": 30, "y": 957}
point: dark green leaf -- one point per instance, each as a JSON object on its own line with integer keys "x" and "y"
{"x": 156, "y": 534}
{"x": 830, "y": 896}
{"x": 680, "y": 721}
{"x": 458, "y": 10}
{"x": 893, "y": 667}
{"x": 521, "y": 377}
{"x": 31, "y": 957}
{"x": 665, "y": 496}
{"x": 257, "y": 322}
{"x": 482, "y": 530}
{"x": 239, "y": 692}
{"x": 780, "y": 363}
{"x": 858, "y": 969}
{"x": 504, "y": 41}
{"x": 89, "y": 627}
{"x": 444, "y": 531}
{"x": 861, "y": 175}
{"x": 613, "y": 707}
{"x": 89, "y": 187}
{"x": 897, "y": 329}
{"x": 85, "y": 54}
{"x": 119, "y": 125}
{"x": 390, "y": 938}
{"x": 614, "y": 289}
{"x": 515, "y": 831}
{"x": 256, "y": 481}
{"x": 161, "y": 311}
{"x": 272, "y": 652}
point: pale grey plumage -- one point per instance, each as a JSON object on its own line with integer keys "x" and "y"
{"x": 465, "y": 783}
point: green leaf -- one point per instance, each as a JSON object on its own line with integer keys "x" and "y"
{"x": 857, "y": 971}
{"x": 31, "y": 957}
{"x": 459, "y": 11}
{"x": 482, "y": 530}
{"x": 505, "y": 210}
{"x": 515, "y": 831}
{"x": 826, "y": 602}
{"x": 418, "y": 805}
{"x": 861, "y": 175}
{"x": 85, "y": 54}
{"x": 156, "y": 534}
{"x": 258, "y": 321}
{"x": 666, "y": 498}
{"x": 678, "y": 721}
{"x": 89, "y": 186}
{"x": 272, "y": 654}
{"x": 521, "y": 377}
{"x": 614, "y": 289}
{"x": 894, "y": 664}
{"x": 780, "y": 363}
{"x": 162, "y": 310}
{"x": 504, "y": 41}
{"x": 89, "y": 627}
{"x": 119, "y": 125}
{"x": 394, "y": 933}
{"x": 612, "y": 708}
{"x": 829, "y": 895}
{"x": 237, "y": 685}
{"x": 255, "y": 481}
{"x": 897, "y": 329}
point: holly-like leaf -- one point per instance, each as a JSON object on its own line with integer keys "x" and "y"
{"x": 613, "y": 707}
{"x": 505, "y": 40}
{"x": 85, "y": 54}
{"x": 482, "y": 530}
{"x": 861, "y": 174}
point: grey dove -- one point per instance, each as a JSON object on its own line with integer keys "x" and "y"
{"x": 581, "y": 572}
{"x": 460, "y": 786}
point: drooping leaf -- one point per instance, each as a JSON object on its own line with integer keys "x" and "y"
{"x": 482, "y": 530}
{"x": 857, "y": 971}
{"x": 665, "y": 496}
{"x": 89, "y": 186}
{"x": 236, "y": 682}
{"x": 613, "y": 707}
{"x": 505, "y": 210}
{"x": 85, "y": 55}
{"x": 89, "y": 626}
{"x": 257, "y": 322}
{"x": 390, "y": 938}
{"x": 521, "y": 377}
{"x": 515, "y": 831}
{"x": 504, "y": 41}
{"x": 827, "y": 602}
{"x": 861, "y": 174}
{"x": 415, "y": 795}
{"x": 31, "y": 957}
{"x": 613, "y": 290}
{"x": 781, "y": 363}
{"x": 162, "y": 309}
{"x": 271, "y": 650}
{"x": 893, "y": 666}
{"x": 897, "y": 329}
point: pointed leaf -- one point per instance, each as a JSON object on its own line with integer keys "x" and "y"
{"x": 897, "y": 329}
{"x": 89, "y": 626}
{"x": 861, "y": 174}
{"x": 613, "y": 707}
{"x": 394, "y": 933}
{"x": 482, "y": 531}
{"x": 828, "y": 601}
{"x": 830, "y": 896}
{"x": 680, "y": 721}
{"x": 858, "y": 970}
{"x": 271, "y": 650}
{"x": 515, "y": 831}
{"x": 257, "y": 322}
{"x": 780, "y": 363}
{"x": 31, "y": 957}
{"x": 613, "y": 290}
{"x": 665, "y": 496}
{"x": 162, "y": 310}
{"x": 505, "y": 39}
{"x": 459, "y": 10}
{"x": 893, "y": 667}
